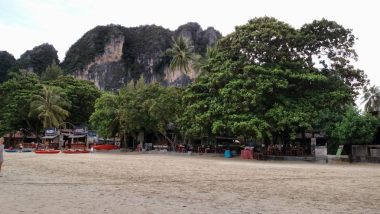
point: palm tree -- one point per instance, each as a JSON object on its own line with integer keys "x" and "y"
{"x": 181, "y": 54}
{"x": 371, "y": 99}
{"x": 201, "y": 62}
{"x": 49, "y": 107}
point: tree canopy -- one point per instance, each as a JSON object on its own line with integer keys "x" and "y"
{"x": 105, "y": 118}
{"x": 16, "y": 95}
{"x": 81, "y": 94}
{"x": 50, "y": 107}
{"x": 264, "y": 84}
{"x": 355, "y": 128}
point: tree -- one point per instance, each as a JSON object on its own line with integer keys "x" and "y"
{"x": 52, "y": 72}
{"x": 200, "y": 62}
{"x": 165, "y": 108}
{"x": 16, "y": 94}
{"x": 105, "y": 119}
{"x": 81, "y": 94}
{"x": 50, "y": 106}
{"x": 147, "y": 109}
{"x": 333, "y": 46}
{"x": 262, "y": 84}
{"x": 181, "y": 55}
{"x": 371, "y": 99}
{"x": 355, "y": 128}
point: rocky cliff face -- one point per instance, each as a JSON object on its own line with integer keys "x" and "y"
{"x": 113, "y": 55}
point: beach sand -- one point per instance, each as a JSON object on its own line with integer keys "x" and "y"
{"x": 152, "y": 183}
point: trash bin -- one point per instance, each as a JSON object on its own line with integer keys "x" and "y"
{"x": 227, "y": 154}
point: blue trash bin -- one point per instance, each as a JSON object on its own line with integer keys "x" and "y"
{"x": 227, "y": 154}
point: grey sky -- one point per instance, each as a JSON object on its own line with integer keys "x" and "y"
{"x": 28, "y": 23}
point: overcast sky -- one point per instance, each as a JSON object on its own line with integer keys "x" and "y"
{"x": 28, "y": 23}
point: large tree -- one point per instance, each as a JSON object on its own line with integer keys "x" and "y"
{"x": 81, "y": 94}
{"x": 16, "y": 94}
{"x": 264, "y": 84}
{"x": 50, "y": 107}
{"x": 105, "y": 119}
{"x": 148, "y": 109}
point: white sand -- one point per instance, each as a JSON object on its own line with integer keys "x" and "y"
{"x": 146, "y": 183}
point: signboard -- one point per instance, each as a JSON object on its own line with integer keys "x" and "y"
{"x": 79, "y": 131}
{"x": 339, "y": 151}
{"x": 50, "y": 132}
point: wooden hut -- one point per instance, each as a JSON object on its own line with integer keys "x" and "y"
{"x": 74, "y": 138}
{"x": 50, "y": 140}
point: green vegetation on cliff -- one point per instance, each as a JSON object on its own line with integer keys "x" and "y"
{"x": 6, "y": 62}
{"x": 38, "y": 59}
{"x": 143, "y": 51}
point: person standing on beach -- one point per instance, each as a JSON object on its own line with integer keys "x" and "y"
{"x": 1, "y": 153}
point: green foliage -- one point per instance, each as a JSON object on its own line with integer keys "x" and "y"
{"x": 6, "y": 62}
{"x": 105, "y": 119}
{"x": 148, "y": 107}
{"x": 22, "y": 86}
{"x": 181, "y": 54}
{"x": 355, "y": 128}
{"x": 52, "y": 72}
{"x": 50, "y": 106}
{"x": 139, "y": 107}
{"x": 81, "y": 94}
{"x": 16, "y": 95}
{"x": 144, "y": 45}
{"x": 333, "y": 46}
{"x": 261, "y": 83}
{"x": 144, "y": 48}
{"x": 38, "y": 59}
{"x": 89, "y": 46}
{"x": 200, "y": 39}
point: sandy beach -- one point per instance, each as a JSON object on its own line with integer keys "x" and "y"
{"x": 152, "y": 183}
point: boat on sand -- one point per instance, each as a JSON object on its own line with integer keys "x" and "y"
{"x": 75, "y": 151}
{"x": 46, "y": 151}
{"x": 106, "y": 147}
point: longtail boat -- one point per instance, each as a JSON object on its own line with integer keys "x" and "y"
{"x": 75, "y": 151}
{"x": 46, "y": 151}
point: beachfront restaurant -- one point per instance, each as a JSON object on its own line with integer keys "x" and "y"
{"x": 51, "y": 139}
{"x": 74, "y": 138}
{"x": 310, "y": 145}
{"x": 14, "y": 139}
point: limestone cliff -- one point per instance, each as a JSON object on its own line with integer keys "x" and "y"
{"x": 6, "y": 62}
{"x": 38, "y": 59}
{"x": 113, "y": 55}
